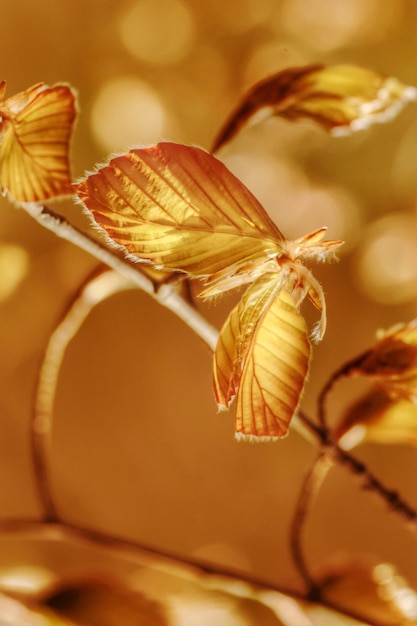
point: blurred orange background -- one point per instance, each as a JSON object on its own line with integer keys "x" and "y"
{"x": 139, "y": 449}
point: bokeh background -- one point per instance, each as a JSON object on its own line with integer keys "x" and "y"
{"x": 139, "y": 450}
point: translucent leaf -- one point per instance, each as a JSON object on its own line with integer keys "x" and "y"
{"x": 341, "y": 98}
{"x": 103, "y": 602}
{"x": 263, "y": 356}
{"x": 392, "y": 362}
{"x": 35, "y": 131}
{"x": 15, "y": 613}
{"x": 177, "y": 208}
{"x": 376, "y": 418}
{"x": 181, "y": 209}
{"x": 375, "y": 592}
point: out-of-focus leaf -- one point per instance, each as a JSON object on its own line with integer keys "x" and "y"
{"x": 16, "y": 613}
{"x": 376, "y": 592}
{"x": 341, "y": 98}
{"x": 103, "y": 603}
{"x": 35, "y": 131}
{"x": 263, "y": 356}
{"x": 392, "y": 362}
{"x": 376, "y": 418}
{"x": 178, "y": 208}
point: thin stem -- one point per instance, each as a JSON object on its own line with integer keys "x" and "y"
{"x": 165, "y": 295}
{"x": 60, "y": 531}
{"x": 345, "y": 370}
{"x": 367, "y": 480}
{"x": 168, "y": 297}
{"x": 95, "y": 289}
{"x": 310, "y": 488}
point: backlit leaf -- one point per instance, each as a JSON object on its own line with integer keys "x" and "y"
{"x": 16, "y": 613}
{"x": 374, "y": 591}
{"x": 103, "y": 602}
{"x": 392, "y": 362}
{"x": 341, "y": 98}
{"x": 181, "y": 209}
{"x": 177, "y": 208}
{"x": 263, "y": 356}
{"x": 378, "y": 419}
{"x": 35, "y": 131}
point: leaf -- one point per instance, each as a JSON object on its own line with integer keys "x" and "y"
{"x": 341, "y": 98}
{"x": 374, "y": 591}
{"x": 392, "y": 362}
{"x": 16, "y": 613}
{"x": 179, "y": 208}
{"x": 376, "y": 418}
{"x": 263, "y": 356}
{"x": 103, "y": 602}
{"x": 35, "y": 131}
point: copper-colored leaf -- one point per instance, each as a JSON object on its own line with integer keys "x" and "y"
{"x": 179, "y": 208}
{"x": 103, "y": 602}
{"x": 392, "y": 362}
{"x": 35, "y": 131}
{"x": 374, "y": 591}
{"x": 263, "y": 356}
{"x": 341, "y": 98}
{"x": 16, "y": 613}
{"x": 376, "y": 418}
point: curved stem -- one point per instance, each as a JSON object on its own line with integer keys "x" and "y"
{"x": 261, "y": 589}
{"x": 345, "y": 370}
{"x": 168, "y": 297}
{"x": 368, "y": 481}
{"x": 310, "y": 488}
{"x": 165, "y": 295}
{"x": 96, "y": 288}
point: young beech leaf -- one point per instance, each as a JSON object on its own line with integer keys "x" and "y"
{"x": 377, "y": 418}
{"x": 263, "y": 349}
{"x": 35, "y": 131}
{"x": 180, "y": 209}
{"x": 375, "y": 591}
{"x": 392, "y": 362}
{"x": 341, "y": 98}
{"x": 388, "y": 412}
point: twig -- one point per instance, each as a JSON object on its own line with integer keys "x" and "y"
{"x": 343, "y": 372}
{"x": 165, "y": 295}
{"x": 96, "y": 288}
{"x": 73, "y": 532}
{"x": 168, "y": 297}
{"x": 311, "y": 485}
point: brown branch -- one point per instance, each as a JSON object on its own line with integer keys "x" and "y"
{"x": 73, "y": 532}
{"x": 368, "y": 481}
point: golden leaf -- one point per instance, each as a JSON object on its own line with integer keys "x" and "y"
{"x": 392, "y": 362}
{"x": 341, "y": 98}
{"x": 375, "y": 591}
{"x": 263, "y": 356}
{"x": 102, "y": 601}
{"x": 376, "y": 418}
{"x": 179, "y": 209}
{"x": 35, "y": 131}
{"x": 17, "y": 613}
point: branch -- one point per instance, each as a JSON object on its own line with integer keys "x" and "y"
{"x": 95, "y": 289}
{"x": 310, "y": 488}
{"x": 261, "y": 589}
{"x": 168, "y": 297}
{"x": 165, "y": 295}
